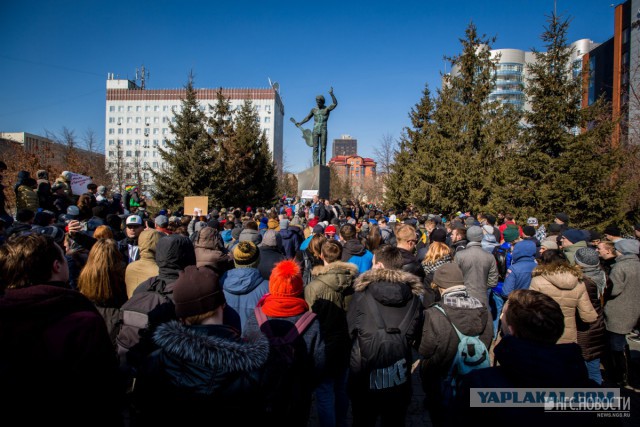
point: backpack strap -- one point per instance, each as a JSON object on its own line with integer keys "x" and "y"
{"x": 262, "y": 322}
{"x": 301, "y": 325}
{"x": 436, "y": 305}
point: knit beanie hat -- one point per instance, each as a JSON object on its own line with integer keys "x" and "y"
{"x": 529, "y": 230}
{"x": 286, "y": 279}
{"x": 161, "y": 221}
{"x": 587, "y": 257}
{"x": 612, "y": 230}
{"x": 197, "y": 291}
{"x": 474, "y": 234}
{"x": 102, "y": 190}
{"x": 438, "y": 235}
{"x": 331, "y": 229}
{"x": 448, "y": 275}
{"x": 554, "y": 228}
{"x": 318, "y": 229}
{"x": 573, "y": 235}
{"x": 510, "y": 234}
{"x": 627, "y": 246}
{"x": 563, "y": 217}
{"x": 470, "y": 221}
{"x": 246, "y": 254}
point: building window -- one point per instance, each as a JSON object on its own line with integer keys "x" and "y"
{"x": 146, "y": 154}
{"x": 145, "y": 175}
{"x": 111, "y": 153}
{"x": 112, "y": 119}
{"x": 129, "y": 108}
{"x": 267, "y": 108}
{"x": 128, "y": 153}
{"x": 164, "y": 131}
{"x": 111, "y": 142}
{"x": 267, "y": 119}
{"x": 154, "y": 164}
{"x": 147, "y": 108}
{"x": 129, "y": 119}
{"x": 138, "y": 131}
{"x": 128, "y": 142}
{"x": 112, "y": 108}
{"x": 155, "y": 142}
{"x": 156, "y": 120}
{"x": 165, "y": 108}
{"x": 137, "y": 142}
{"x": 111, "y": 131}
{"x": 121, "y": 108}
{"x": 156, "y": 108}
{"x": 120, "y": 131}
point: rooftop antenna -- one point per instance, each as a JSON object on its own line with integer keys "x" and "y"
{"x": 142, "y": 74}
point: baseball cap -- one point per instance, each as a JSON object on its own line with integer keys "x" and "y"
{"x": 134, "y": 220}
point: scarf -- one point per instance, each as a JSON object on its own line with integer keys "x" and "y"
{"x": 596, "y": 274}
{"x": 279, "y": 306}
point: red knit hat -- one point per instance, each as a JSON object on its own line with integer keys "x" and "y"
{"x": 331, "y": 229}
{"x": 286, "y": 279}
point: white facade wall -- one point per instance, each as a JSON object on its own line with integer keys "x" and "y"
{"x": 142, "y": 125}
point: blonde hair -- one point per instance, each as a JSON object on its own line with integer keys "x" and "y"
{"x": 405, "y": 232}
{"x": 437, "y": 251}
{"x": 102, "y": 278}
{"x": 103, "y": 232}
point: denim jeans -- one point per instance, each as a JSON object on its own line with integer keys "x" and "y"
{"x": 496, "y": 302}
{"x": 332, "y": 401}
{"x": 593, "y": 369}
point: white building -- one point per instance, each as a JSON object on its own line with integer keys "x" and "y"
{"x": 137, "y": 121}
{"x": 512, "y": 72}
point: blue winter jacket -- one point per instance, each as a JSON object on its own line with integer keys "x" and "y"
{"x": 523, "y": 263}
{"x": 243, "y": 288}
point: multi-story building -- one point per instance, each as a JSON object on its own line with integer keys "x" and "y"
{"x": 137, "y": 122}
{"x": 354, "y": 167}
{"x": 51, "y": 155}
{"x": 512, "y": 72}
{"x": 344, "y": 146}
{"x": 614, "y": 72}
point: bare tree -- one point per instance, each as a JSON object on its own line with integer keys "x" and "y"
{"x": 116, "y": 167}
{"x": 384, "y": 153}
{"x": 90, "y": 140}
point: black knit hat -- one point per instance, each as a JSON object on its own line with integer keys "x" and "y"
{"x": 563, "y": 217}
{"x": 197, "y": 291}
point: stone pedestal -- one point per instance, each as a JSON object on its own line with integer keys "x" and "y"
{"x": 315, "y": 178}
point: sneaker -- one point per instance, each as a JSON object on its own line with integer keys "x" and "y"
{"x": 634, "y": 338}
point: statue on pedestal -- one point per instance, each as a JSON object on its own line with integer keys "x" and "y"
{"x": 318, "y": 137}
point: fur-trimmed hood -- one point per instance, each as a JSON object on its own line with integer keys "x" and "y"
{"x": 193, "y": 345}
{"x": 561, "y": 276}
{"x": 389, "y": 276}
{"x": 337, "y": 275}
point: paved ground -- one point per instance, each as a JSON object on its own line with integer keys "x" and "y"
{"x": 419, "y": 417}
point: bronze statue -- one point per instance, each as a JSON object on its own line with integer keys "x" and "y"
{"x": 318, "y": 137}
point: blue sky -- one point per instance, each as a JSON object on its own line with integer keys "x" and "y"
{"x": 55, "y": 55}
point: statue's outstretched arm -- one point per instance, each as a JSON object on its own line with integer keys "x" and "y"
{"x": 306, "y": 119}
{"x": 333, "y": 98}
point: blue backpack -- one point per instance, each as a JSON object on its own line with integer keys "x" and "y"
{"x": 471, "y": 354}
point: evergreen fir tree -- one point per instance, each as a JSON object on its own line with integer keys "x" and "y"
{"x": 568, "y": 158}
{"x": 184, "y": 173}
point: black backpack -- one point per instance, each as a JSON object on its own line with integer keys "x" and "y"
{"x": 285, "y": 366}
{"x": 307, "y": 267}
{"x": 149, "y": 306}
{"x": 501, "y": 254}
{"x": 386, "y": 357}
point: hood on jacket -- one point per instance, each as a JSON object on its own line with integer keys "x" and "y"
{"x": 468, "y": 313}
{"x": 147, "y": 242}
{"x": 389, "y": 287}
{"x": 352, "y": 248}
{"x": 523, "y": 249}
{"x": 240, "y": 281}
{"x": 388, "y": 276}
{"x": 174, "y": 253}
{"x": 337, "y": 275}
{"x": 562, "y": 276}
{"x": 209, "y": 238}
{"x": 194, "y": 346}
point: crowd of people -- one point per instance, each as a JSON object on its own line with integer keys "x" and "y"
{"x": 112, "y": 314}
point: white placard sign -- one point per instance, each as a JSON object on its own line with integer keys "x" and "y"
{"x": 79, "y": 183}
{"x": 308, "y": 194}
